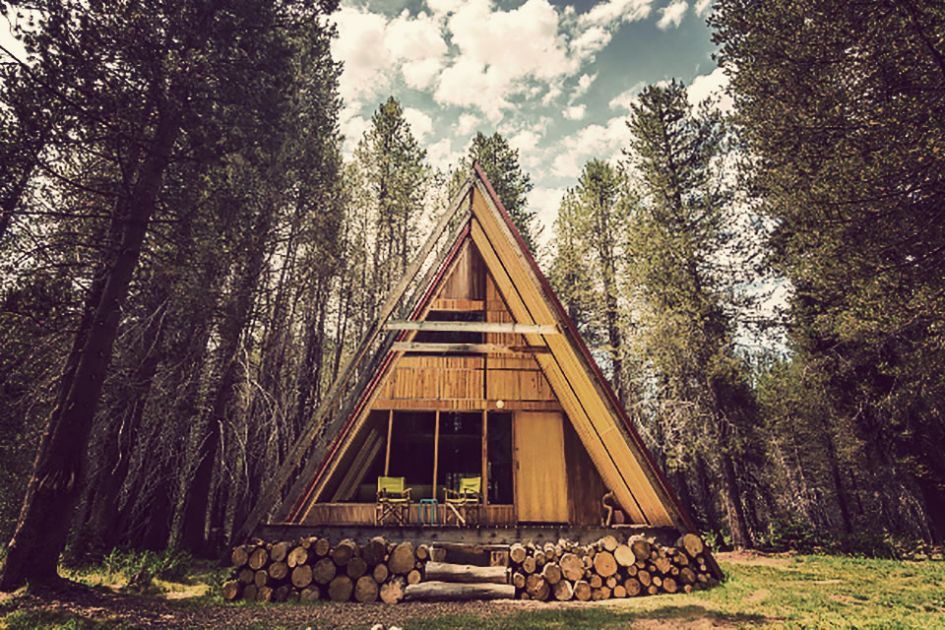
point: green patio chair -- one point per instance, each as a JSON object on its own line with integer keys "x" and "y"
{"x": 393, "y": 501}
{"x": 460, "y": 502}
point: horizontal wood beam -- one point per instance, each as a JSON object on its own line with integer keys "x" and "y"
{"x": 483, "y": 327}
{"x": 468, "y": 348}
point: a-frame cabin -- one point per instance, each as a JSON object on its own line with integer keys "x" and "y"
{"x": 476, "y": 371}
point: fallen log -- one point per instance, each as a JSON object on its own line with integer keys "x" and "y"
{"x": 231, "y": 590}
{"x": 402, "y": 559}
{"x": 239, "y": 557}
{"x": 301, "y": 576}
{"x": 572, "y": 567}
{"x": 564, "y": 591}
{"x": 451, "y": 591}
{"x": 446, "y": 572}
{"x": 374, "y": 551}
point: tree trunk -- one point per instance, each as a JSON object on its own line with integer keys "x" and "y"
{"x": 43, "y": 525}
{"x": 731, "y": 499}
{"x": 99, "y": 534}
{"x": 837, "y": 478}
{"x": 192, "y": 536}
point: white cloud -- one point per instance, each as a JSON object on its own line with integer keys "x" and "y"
{"x": 526, "y": 142}
{"x": 607, "y": 13}
{"x": 710, "y": 86}
{"x": 544, "y": 202}
{"x": 593, "y": 141}
{"x": 500, "y": 53}
{"x": 590, "y": 41}
{"x": 417, "y": 41}
{"x": 583, "y": 84}
{"x": 441, "y": 154}
{"x": 420, "y": 123}
{"x": 627, "y": 97}
{"x": 420, "y": 75}
{"x": 373, "y": 49}
{"x": 554, "y": 91}
{"x": 467, "y": 123}
{"x": 443, "y": 7}
{"x": 701, "y": 6}
{"x": 466, "y": 83}
{"x": 574, "y": 112}
{"x": 360, "y": 33}
{"x": 27, "y": 19}
{"x": 352, "y": 127}
{"x": 672, "y": 14}
{"x": 595, "y": 28}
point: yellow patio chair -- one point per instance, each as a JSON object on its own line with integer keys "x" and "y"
{"x": 393, "y": 500}
{"x": 459, "y": 501}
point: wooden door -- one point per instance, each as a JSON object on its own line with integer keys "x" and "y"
{"x": 541, "y": 488}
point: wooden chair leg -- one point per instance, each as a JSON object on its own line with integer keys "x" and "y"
{"x": 460, "y": 518}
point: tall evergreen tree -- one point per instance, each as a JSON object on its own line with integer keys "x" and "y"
{"x": 841, "y": 107}
{"x": 500, "y": 162}
{"x": 390, "y": 182}
{"x": 138, "y": 86}
{"x": 590, "y": 231}
{"x": 683, "y": 332}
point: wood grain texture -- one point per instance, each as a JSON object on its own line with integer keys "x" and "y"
{"x": 541, "y": 487}
{"x": 594, "y": 421}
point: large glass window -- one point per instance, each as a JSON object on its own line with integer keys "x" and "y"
{"x": 460, "y": 448}
{"x": 411, "y": 452}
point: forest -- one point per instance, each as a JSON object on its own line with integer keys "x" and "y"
{"x": 187, "y": 258}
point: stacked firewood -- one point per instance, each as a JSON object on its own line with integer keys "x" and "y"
{"x": 609, "y": 568}
{"x": 311, "y": 568}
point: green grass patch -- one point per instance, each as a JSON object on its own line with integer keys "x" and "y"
{"x": 785, "y": 591}
{"x": 800, "y": 592}
{"x": 55, "y": 620}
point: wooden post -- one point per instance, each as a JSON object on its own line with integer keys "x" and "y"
{"x": 390, "y": 430}
{"x": 485, "y": 457}
{"x": 436, "y": 449}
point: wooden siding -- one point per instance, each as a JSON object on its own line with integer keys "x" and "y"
{"x": 541, "y": 487}
{"x": 585, "y": 487}
{"x": 466, "y": 281}
{"x": 622, "y": 469}
{"x": 457, "y": 304}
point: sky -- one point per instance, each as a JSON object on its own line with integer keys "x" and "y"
{"x": 554, "y": 78}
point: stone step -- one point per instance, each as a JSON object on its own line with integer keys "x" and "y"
{"x": 455, "y": 591}
{"x": 465, "y": 573}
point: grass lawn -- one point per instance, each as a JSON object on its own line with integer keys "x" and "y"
{"x": 760, "y": 591}
{"x": 766, "y": 591}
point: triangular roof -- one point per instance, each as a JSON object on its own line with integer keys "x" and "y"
{"x": 478, "y": 216}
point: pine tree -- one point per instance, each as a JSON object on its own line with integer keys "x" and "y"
{"x": 682, "y": 330}
{"x": 501, "y": 165}
{"x": 137, "y": 88}
{"x": 589, "y": 234}
{"x": 391, "y": 180}
{"x": 841, "y": 107}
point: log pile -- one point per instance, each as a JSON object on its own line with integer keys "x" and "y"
{"x": 610, "y": 568}
{"x": 310, "y": 569}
